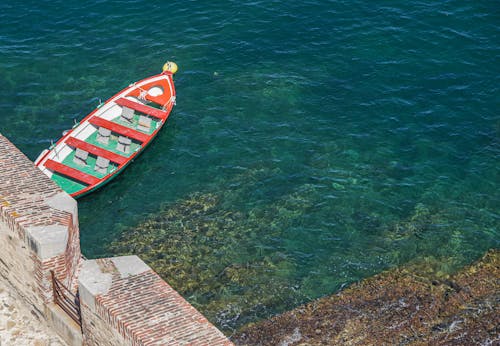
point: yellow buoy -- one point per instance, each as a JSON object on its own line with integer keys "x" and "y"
{"x": 170, "y": 66}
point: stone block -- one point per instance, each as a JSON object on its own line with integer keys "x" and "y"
{"x": 92, "y": 281}
{"x": 64, "y": 202}
{"x": 68, "y": 329}
{"x": 47, "y": 241}
{"x": 129, "y": 265}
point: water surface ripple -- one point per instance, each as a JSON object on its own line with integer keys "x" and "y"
{"x": 329, "y": 140}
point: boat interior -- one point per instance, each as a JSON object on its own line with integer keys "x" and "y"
{"x": 105, "y": 141}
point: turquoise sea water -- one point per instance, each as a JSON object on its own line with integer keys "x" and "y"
{"x": 339, "y": 138}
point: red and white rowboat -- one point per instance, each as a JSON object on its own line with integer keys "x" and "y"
{"x": 98, "y": 148}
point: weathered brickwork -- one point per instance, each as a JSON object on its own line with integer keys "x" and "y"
{"x": 123, "y": 301}
{"x": 38, "y": 233}
{"x": 17, "y": 268}
{"x": 143, "y": 308}
{"x": 26, "y": 196}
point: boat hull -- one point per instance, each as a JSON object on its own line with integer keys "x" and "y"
{"x": 107, "y": 140}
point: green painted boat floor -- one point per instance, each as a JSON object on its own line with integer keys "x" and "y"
{"x": 70, "y": 185}
{"x": 67, "y": 184}
{"x": 89, "y": 167}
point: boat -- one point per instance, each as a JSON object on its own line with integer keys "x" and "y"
{"x": 107, "y": 140}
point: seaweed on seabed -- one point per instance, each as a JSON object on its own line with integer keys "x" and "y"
{"x": 395, "y": 307}
{"x": 416, "y": 225}
{"x": 212, "y": 256}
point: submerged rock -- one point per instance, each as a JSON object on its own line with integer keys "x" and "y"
{"x": 404, "y": 306}
{"x": 239, "y": 261}
{"x": 212, "y": 256}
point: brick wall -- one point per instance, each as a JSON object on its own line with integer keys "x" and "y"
{"x": 38, "y": 233}
{"x": 139, "y": 307}
{"x": 123, "y": 301}
{"x": 17, "y": 267}
{"x": 39, "y": 228}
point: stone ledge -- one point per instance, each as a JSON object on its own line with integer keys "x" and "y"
{"x": 92, "y": 282}
{"x": 64, "y": 325}
{"x": 129, "y": 265}
{"x": 130, "y": 297}
{"x": 39, "y": 222}
{"x": 47, "y": 241}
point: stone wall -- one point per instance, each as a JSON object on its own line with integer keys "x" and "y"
{"x": 126, "y": 294}
{"x": 38, "y": 233}
{"x": 39, "y": 227}
{"x": 123, "y": 301}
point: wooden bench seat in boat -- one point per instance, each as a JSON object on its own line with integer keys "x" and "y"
{"x": 71, "y": 172}
{"x": 120, "y": 129}
{"x": 94, "y": 150}
{"x": 156, "y": 113}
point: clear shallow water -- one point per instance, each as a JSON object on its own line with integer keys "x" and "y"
{"x": 343, "y": 138}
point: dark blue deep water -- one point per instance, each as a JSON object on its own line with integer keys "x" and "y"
{"x": 333, "y": 139}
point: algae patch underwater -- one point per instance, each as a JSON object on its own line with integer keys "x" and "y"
{"x": 239, "y": 255}
{"x": 402, "y": 306}
{"x": 209, "y": 255}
